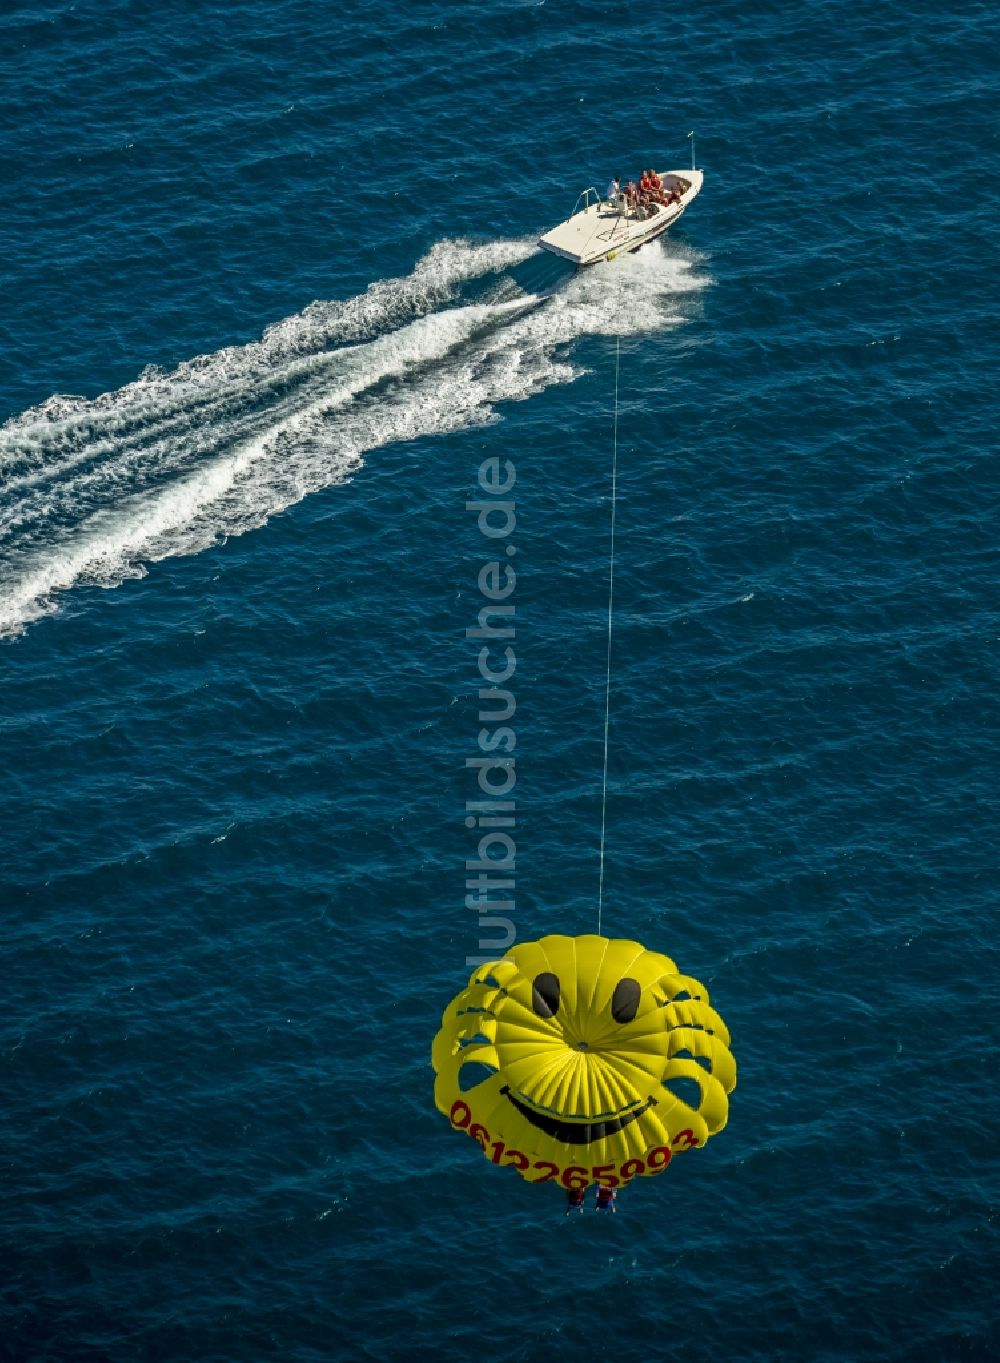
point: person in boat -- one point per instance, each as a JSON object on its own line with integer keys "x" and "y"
{"x": 606, "y": 1198}
{"x": 654, "y": 190}
{"x": 632, "y": 194}
{"x": 647, "y": 195}
{"x": 656, "y": 185}
{"x": 614, "y": 190}
{"x": 574, "y": 1200}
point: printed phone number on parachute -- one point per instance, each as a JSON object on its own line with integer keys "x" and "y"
{"x": 574, "y": 1175}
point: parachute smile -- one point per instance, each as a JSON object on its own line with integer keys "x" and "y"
{"x": 575, "y": 1132}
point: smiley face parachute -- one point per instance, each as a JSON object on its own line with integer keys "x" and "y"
{"x": 601, "y": 1059}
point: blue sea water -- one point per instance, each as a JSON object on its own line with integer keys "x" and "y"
{"x": 270, "y": 298}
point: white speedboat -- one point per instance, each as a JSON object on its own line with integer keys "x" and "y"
{"x": 599, "y": 229}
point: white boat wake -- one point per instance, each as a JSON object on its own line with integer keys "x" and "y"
{"x": 93, "y": 490}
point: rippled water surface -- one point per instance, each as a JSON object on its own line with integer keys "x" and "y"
{"x": 269, "y": 297}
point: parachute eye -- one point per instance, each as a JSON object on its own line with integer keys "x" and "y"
{"x": 545, "y": 994}
{"x": 625, "y": 1000}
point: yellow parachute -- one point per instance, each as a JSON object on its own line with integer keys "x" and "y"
{"x": 583, "y": 1040}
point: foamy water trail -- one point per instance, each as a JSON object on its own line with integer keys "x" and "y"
{"x": 93, "y": 490}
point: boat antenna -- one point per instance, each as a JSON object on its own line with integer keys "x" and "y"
{"x": 611, "y": 597}
{"x": 691, "y": 136}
